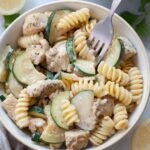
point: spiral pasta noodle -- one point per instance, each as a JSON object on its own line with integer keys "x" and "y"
{"x": 69, "y": 113}
{"x": 21, "y": 111}
{"x": 80, "y": 46}
{"x": 120, "y": 117}
{"x": 61, "y": 38}
{"x": 102, "y": 131}
{"x": 135, "y": 85}
{"x": 113, "y": 74}
{"x": 87, "y": 28}
{"x": 26, "y": 41}
{"x": 73, "y": 20}
{"x": 99, "y": 90}
{"x": 67, "y": 84}
{"x": 126, "y": 65}
{"x": 119, "y": 92}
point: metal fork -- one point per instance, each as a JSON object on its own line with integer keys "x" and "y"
{"x": 102, "y": 33}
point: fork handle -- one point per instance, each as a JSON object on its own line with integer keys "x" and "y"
{"x": 114, "y": 6}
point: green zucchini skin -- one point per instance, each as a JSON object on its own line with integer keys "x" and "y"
{"x": 36, "y": 137}
{"x": 70, "y": 51}
{"x": 8, "y": 56}
{"x": 48, "y": 26}
{"x": 2, "y": 98}
{"x": 37, "y": 109}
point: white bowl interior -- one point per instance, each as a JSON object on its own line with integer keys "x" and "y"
{"x": 11, "y": 35}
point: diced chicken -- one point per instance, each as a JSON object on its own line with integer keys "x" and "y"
{"x": 76, "y": 139}
{"x": 44, "y": 88}
{"x": 57, "y": 59}
{"x": 9, "y": 104}
{"x": 129, "y": 49}
{"x": 106, "y": 106}
{"x": 37, "y": 124}
{"x": 34, "y": 23}
{"x": 37, "y": 52}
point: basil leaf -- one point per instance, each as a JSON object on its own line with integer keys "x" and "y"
{"x": 9, "y": 19}
{"x": 141, "y": 27}
{"x": 129, "y": 17}
{"x": 142, "y": 5}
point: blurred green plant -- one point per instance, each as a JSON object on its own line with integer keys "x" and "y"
{"x": 138, "y": 20}
{"x": 9, "y": 19}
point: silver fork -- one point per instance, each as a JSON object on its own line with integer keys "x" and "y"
{"x": 102, "y": 33}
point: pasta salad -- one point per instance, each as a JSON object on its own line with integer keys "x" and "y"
{"x": 54, "y": 89}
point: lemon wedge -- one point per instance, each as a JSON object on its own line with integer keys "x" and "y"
{"x": 141, "y": 137}
{"x": 9, "y": 7}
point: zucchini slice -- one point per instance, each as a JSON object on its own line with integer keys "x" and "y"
{"x": 83, "y": 102}
{"x": 14, "y": 86}
{"x": 113, "y": 54}
{"x": 48, "y": 26}
{"x": 56, "y": 109}
{"x": 70, "y": 51}
{"x": 54, "y": 33}
{"x": 37, "y": 111}
{"x": 52, "y": 133}
{"x": 36, "y": 136}
{"x": 24, "y": 71}
{"x": 8, "y": 56}
{"x": 86, "y": 67}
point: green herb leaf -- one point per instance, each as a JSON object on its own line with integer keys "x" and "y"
{"x": 141, "y": 28}
{"x": 142, "y": 4}
{"x": 129, "y": 17}
{"x": 9, "y": 19}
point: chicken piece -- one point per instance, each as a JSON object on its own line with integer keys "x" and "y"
{"x": 44, "y": 88}
{"x": 106, "y": 106}
{"x": 37, "y": 52}
{"x": 57, "y": 58}
{"x": 76, "y": 139}
{"x": 37, "y": 124}
{"x": 129, "y": 49}
{"x": 9, "y": 104}
{"x": 34, "y": 23}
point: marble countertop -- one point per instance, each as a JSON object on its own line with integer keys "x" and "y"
{"x": 124, "y": 143}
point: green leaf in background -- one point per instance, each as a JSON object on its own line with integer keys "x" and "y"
{"x": 9, "y": 19}
{"x": 142, "y": 5}
{"x": 141, "y": 28}
{"x": 129, "y": 17}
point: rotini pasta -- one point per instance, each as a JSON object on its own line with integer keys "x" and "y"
{"x": 126, "y": 65}
{"x": 22, "y": 117}
{"x": 80, "y": 46}
{"x": 120, "y": 117}
{"x": 135, "y": 85}
{"x": 26, "y": 41}
{"x": 69, "y": 113}
{"x": 99, "y": 90}
{"x": 87, "y": 28}
{"x": 73, "y": 20}
{"x": 113, "y": 74}
{"x": 62, "y": 37}
{"x": 102, "y": 131}
{"x": 100, "y": 78}
{"x": 119, "y": 92}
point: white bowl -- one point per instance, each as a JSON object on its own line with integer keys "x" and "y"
{"x": 121, "y": 28}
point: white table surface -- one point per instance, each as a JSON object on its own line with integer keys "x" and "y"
{"x": 123, "y": 144}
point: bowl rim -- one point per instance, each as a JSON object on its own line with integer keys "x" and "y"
{"x": 124, "y": 22}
